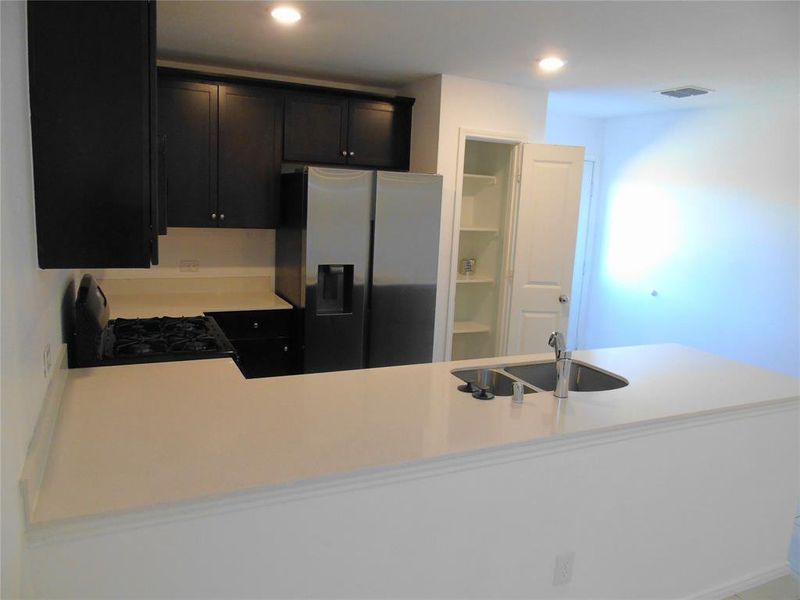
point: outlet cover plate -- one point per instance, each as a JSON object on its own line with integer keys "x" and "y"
{"x": 562, "y": 574}
{"x": 189, "y": 266}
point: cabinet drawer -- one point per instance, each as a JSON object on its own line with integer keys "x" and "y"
{"x": 267, "y": 358}
{"x": 256, "y": 324}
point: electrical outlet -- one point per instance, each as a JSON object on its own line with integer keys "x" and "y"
{"x": 47, "y": 363}
{"x": 189, "y": 266}
{"x": 562, "y": 574}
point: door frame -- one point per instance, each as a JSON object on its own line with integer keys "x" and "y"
{"x": 581, "y": 280}
{"x": 511, "y": 139}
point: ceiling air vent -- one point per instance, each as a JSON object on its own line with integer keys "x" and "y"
{"x": 685, "y": 92}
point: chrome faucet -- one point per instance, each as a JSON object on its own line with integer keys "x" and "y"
{"x": 563, "y": 364}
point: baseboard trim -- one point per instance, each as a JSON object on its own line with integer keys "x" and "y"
{"x": 743, "y": 583}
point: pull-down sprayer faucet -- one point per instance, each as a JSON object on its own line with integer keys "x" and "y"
{"x": 563, "y": 364}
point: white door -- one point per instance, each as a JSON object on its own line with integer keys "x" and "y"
{"x": 544, "y": 247}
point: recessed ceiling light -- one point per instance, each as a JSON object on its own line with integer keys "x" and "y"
{"x": 286, "y": 15}
{"x": 551, "y": 63}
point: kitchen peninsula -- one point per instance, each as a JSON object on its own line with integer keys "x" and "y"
{"x": 192, "y": 450}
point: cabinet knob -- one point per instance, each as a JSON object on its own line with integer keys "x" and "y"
{"x": 352, "y": 154}
{"x": 286, "y": 348}
{"x": 221, "y": 216}
{"x": 255, "y": 325}
{"x": 213, "y": 216}
{"x": 344, "y": 152}
{"x": 563, "y": 298}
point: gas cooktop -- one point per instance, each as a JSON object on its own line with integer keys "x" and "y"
{"x": 164, "y": 338}
{"x": 98, "y": 341}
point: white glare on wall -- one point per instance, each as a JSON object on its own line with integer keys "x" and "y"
{"x": 643, "y": 231}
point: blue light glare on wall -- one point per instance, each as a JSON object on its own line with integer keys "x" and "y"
{"x": 643, "y": 230}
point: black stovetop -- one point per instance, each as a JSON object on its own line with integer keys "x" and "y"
{"x": 163, "y": 338}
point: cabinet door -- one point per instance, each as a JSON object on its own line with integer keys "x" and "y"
{"x": 187, "y": 114}
{"x": 267, "y": 358}
{"x": 90, "y": 76}
{"x": 379, "y": 134}
{"x": 249, "y": 156}
{"x": 315, "y": 127}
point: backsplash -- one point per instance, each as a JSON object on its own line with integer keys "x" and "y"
{"x": 190, "y": 252}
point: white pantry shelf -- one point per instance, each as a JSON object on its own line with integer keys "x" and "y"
{"x": 493, "y": 230}
{"x": 485, "y": 179}
{"x": 470, "y": 327}
{"x": 474, "y": 279}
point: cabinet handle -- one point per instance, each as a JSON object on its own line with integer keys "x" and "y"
{"x": 352, "y": 154}
{"x": 221, "y": 216}
{"x": 344, "y": 152}
{"x": 213, "y": 216}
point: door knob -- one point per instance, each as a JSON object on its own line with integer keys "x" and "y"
{"x": 563, "y": 298}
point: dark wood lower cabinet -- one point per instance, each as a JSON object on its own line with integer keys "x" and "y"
{"x": 265, "y": 340}
{"x": 267, "y": 358}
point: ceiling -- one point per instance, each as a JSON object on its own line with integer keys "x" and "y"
{"x": 618, "y": 53}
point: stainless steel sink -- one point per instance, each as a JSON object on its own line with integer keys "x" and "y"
{"x": 582, "y": 377}
{"x": 499, "y": 383}
{"x": 537, "y": 377}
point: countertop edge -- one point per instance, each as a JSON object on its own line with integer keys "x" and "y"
{"x": 192, "y": 508}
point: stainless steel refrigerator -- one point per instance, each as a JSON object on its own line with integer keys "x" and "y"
{"x": 357, "y": 255}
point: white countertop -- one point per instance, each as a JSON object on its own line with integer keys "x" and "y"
{"x": 189, "y": 305}
{"x": 137, "y": 436}
{"x": 186, "y": 297}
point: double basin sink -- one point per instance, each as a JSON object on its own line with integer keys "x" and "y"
{"x": 539, "y": 377}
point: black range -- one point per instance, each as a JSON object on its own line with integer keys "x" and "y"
{"x": 98, "y": 341}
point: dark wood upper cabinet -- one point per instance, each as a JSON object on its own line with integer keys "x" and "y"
{"x": 223, "y": 139}
{"x": 378, "y": 134}
{"x": 315, "y": 128}
{"x": 222, "y": 146}
{"x": 187, "y": 126}
{"x": 95, "y": 156}
{"x": 336, "y": 129}
{"x": 250, "y": 124}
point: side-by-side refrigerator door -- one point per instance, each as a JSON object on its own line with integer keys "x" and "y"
{"x": 339, "y": 211}
{"x": 404, "y": 268}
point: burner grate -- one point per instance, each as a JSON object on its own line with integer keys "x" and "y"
{"x": 163, "y": 336}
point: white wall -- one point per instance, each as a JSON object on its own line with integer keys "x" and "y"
{"x": 570, "y": 130}
{"x": 425, "y": 123}
{"x": 465, "y": 104}
{"x": 701, "y": 207}
{"x": 221, "y": 253}
{"x": 30, "y": 299}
